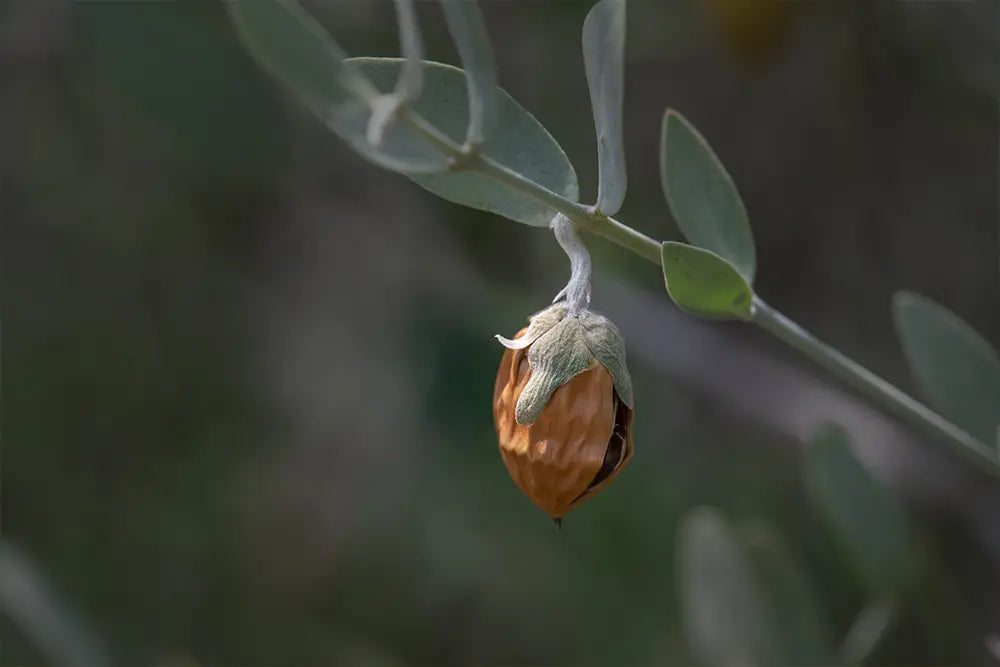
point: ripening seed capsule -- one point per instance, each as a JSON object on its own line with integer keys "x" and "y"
{"x": 578, "y": 443}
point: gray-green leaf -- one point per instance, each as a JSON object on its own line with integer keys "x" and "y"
{"x": 293, "y": 47}
{"x": 702, "y": 196}
{"x": 604, "y": 61}
{"x": 465, "y": 22}
{"x": 724, "y": 615}
{"x": 704, "y": 284}
{"x": 864, "y": 515}
{"x": 518, "y": 142}
{"x": 802, "y": 629}
{"x": 955, "y": 367}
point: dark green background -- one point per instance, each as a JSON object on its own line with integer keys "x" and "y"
{"x": 247, "y": 377}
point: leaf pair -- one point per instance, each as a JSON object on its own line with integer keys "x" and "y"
{"x": 711, "y": 278}
{"x": 421, "y": 142}
{"x": 422, "y": 119}
{"x": 956, "y": 368}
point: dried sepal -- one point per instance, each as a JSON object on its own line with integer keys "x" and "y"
{"x": 540, "y": 323}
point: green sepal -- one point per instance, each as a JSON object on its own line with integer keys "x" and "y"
{"x": 608, "y": 347}
{"x": 558, "y": 356}
{"x": 560, "y": 348}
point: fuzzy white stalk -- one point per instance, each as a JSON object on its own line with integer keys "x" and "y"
{"x": 577, "y": 290}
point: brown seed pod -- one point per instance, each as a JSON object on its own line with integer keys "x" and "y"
{"x": 578, "y": 443}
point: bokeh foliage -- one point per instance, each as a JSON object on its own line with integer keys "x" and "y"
{"x": 246, "y": 379}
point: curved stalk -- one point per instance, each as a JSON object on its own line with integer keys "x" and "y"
{"x": 577, "y": 290}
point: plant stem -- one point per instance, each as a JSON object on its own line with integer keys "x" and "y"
{"x": 882, "y": 393}
{"x": 625, "y": 236}
{"x": 584, "y": 216}
{"x": 577, "y": 290}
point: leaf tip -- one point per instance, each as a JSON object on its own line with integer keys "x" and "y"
{"x": 904, "y": 298}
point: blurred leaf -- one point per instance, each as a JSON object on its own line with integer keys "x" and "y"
{"x": 724, "y": 614}
{"x": 992, "y": 643}
{"x": 866, "y": 631}
{"x": 955, "y": 367}
{"x": 194, "y": 90}
{"x": 27, "y": 598}
{"x": 519, "y": 143}
{"x": 702, "y": 197}
{"x": 468, "y": 29}
{"x": 864, "y": 515}
{"x": 604, "y": 61}
{"x": 702, "y": 283}
{"x": 803, "y": 632}
{"x": 296, "y": 49}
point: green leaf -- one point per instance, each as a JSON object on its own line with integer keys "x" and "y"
{"x": 604, "y": 61}
{"x": 864, "y": 515}
{"x": 725, "y": 619}
{"x": 704, "y": 284}
{"x": 702, "y": 196}
{"x": 956, "y": 368}
{"x": 803, "y": 632}
{"x": 519, "y": 142}
{"x": 292, "y": 46}
{"x": 465, "y": 22}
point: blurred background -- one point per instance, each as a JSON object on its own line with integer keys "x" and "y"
{"x": 247, "y": 376}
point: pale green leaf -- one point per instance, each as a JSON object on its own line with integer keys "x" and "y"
{"x": 43, "y": 616}
{"x": 867, "y": 629}
{"x": 518, "y": 142}
{"x": 956, "y": 368}
{"x": 704, "y": 284}
{"x": 293, "y": 47}
{"x": 465, "y": 22}
{"x": 802, "y": 632}
{"x": 725, "y": 618}
{"x": 702, "y": 196}
{"x": 864, "y": 515}
{"x": 604, "y": 61}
